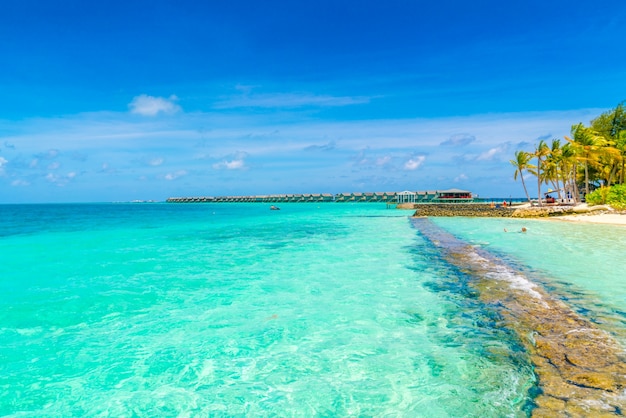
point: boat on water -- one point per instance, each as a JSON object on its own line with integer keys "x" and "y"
{"x": 274, "y": 207}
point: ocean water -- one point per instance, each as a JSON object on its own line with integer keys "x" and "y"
{"x": 236, "y": 310}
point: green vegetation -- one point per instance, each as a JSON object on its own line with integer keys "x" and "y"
{"x": 594, "y": 158}
{"x": 614, "y": 196}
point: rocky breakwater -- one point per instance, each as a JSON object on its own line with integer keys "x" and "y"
{"x": 546, "y": 211}
{"x": 462, "y": 209}
{"x": 489, "y": 211}
{"x": 580, "y": 368}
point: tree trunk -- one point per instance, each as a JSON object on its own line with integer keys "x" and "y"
{"x": 558, "y": 186}
{"x": 539, "y": 181}
{"x": 524, "y": 185}
{"x": 586, "y": 178}
{"x": 574, "y": 184}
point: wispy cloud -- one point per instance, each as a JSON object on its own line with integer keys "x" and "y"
{"x": 458, "y": 140}
{"x": 325, "y": 147}
{"x": 3, "y": 162}
{"x": 288, "y": 100}
{"x": 383, "y": 161}
{"x": 59, "y": 179}
{"x": 151, "y": 106}
{"x": 48, "y": 155}
{"x": 20, "y": 183}
{"x": 494, "y": 153}
{"x": 175, "y": 175}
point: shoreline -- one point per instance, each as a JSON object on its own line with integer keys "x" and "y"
{"x": 618, "y": 219}
{"x": 581, "y": 213}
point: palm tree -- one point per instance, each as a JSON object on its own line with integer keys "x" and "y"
{"x": 541, "y": 151}
{"x": 552, "y": 165}
{"x": 568, "y": 170}
{"x": 587, "y": 144}
{"x": 521, "y": 163}
{"x": 594, "y": 154}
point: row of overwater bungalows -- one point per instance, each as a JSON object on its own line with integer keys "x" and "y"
{"x": 434, "y": 196}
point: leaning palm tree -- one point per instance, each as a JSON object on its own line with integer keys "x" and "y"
{"x": 521, "y": 164}
{"x": 541, "y": 151}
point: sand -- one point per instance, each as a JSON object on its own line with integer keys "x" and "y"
{"x": 587, "y": 215}
{"x": 600, "y": 218}
{"x": 600, "y": 214}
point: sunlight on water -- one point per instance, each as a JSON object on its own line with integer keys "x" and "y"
{"x": 237, "y": 310}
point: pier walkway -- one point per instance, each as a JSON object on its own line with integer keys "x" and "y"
{"x": 435, "y": 196}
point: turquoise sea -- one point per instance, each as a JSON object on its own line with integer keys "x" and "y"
{"x": 146, "y": 310}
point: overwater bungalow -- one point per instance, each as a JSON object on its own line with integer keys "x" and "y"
{"x": 453, "y": 195}
{"x": 407, "y": 196}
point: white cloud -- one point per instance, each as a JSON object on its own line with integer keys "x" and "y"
{"x": 151, "y": 106}
{"x": 60, "y": 180}
{"x": 54, "y": 165}
{"x": 229, "y": 165}
{"x": 127, "y": 145}
{"x": 460, "y": 177}
{"x": 234, "y": 162}
{"x": 414, "y": 163}
{"x": 175, "y": 175}
{"x": 493, "y": 153}
{"x": 3, "y": 161}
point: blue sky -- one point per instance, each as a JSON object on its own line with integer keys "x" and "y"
{"x": 123, "y": 100}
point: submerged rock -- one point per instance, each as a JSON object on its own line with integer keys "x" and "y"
{"x": 580, "y": 369}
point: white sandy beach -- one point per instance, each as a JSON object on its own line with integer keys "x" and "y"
{"x": 590, "y": 214}
{"x": 595, "y": 218}
{"x": 595, "y": 215}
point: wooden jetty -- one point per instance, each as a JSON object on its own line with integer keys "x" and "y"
{"x": 432, "y": 196}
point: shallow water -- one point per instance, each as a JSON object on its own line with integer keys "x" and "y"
{"x": 233, "y": 309}
{"x": 582, "y": 263}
